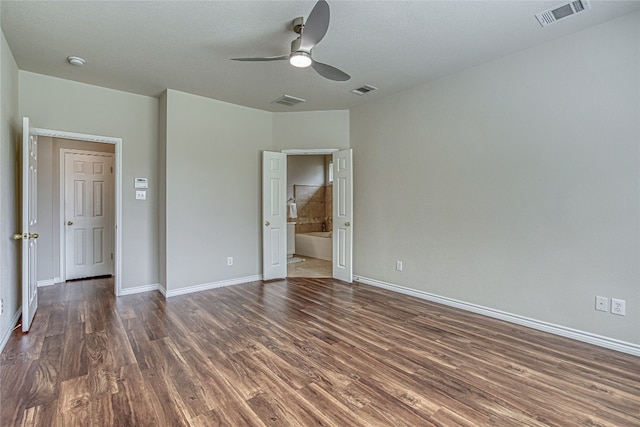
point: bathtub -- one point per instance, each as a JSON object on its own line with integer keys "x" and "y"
{"x": 318, "y": 244}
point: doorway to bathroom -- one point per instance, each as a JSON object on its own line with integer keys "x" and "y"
{"x": 275, "y": 211}
{"x": 310, "y": 215}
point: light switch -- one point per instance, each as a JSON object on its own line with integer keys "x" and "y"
{"x": 141, "y": 195}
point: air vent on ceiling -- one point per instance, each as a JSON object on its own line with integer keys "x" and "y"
{"x": 364, "y": 89}
{"x": 288, "y": 100}
{"x": 550, "y": 16}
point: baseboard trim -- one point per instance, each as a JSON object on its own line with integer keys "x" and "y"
{"x": 48, "y": 282}
{"x": 9, "y": 331}
{"x": 601, "y": 341}
{"x": 139, "y": 289}
{"x": 213, "y": 285}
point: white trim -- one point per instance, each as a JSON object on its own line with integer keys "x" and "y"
{"x": 310, "y": 151}
{"x": 77, "y": 136}
{"x": 10, "y": 329}
{"x": 162, "y": 290}
{"x": 214, "y": 285}
{"x": 599, "y": 340}
{"x": 139, "y": 289}
{"x": 118, "y": 189}
{"x": 48, "y": 282}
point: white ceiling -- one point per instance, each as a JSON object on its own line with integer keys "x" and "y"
{"x": 147, "y": 46}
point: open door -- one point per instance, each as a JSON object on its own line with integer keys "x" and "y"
{"x": 29, "y": 222}
{"x": 274, "y": 215}
{"x": 342, "y": 215}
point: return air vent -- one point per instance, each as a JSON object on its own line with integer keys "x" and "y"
{"x": 550, "y": 16}
{"x": 364, "y": 89}
{"x": 288, "y": 100}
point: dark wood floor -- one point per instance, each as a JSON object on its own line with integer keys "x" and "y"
{"x": 300, "y": 352}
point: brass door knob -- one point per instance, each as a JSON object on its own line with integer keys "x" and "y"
{"x": 34, "y": 235}
{"x": 267, "y": 223}
{"x": 17, "y": 236}
{"x": 347, "y": 224}
{"x": 69, "y": 222}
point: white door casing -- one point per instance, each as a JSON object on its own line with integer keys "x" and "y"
{"x": 87, "y": 208}
{"x": 274, "y": 215}
{"x": 29, "y": 222}
{"x": 342, "y": 215}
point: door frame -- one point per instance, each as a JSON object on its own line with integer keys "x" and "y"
{"x": 62, "y": 204}
{"x": 117, "y": 259}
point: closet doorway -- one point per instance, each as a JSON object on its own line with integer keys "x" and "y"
{"x": 78, "y": 206}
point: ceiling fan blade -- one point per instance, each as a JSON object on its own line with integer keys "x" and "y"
{"x": 329, "y": 72}
{"x": 265, "y": 58}
{"x": 316, "y": 26}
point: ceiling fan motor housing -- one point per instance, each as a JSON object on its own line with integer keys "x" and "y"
{"x": 297, "y": 25}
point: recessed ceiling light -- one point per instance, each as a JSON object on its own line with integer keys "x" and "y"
{"x": 76, "y": 60}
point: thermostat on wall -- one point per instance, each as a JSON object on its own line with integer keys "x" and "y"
{"x": 141, "y": 183}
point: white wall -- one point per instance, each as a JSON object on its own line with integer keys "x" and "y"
{"x": 9, "y": 209}
{"x": 213, "y": 185}
{"x": 513, "y": 185}
{"x": 311, "y": 129}
{"x": 64, "y": 105}
{"x": 305, "y": 170}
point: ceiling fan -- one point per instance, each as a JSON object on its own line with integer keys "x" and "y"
{"x": 310, "y": 34}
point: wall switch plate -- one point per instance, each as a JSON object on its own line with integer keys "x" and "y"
{"x": 618, "y": 307}
{"x": 230, "y": 260}
{"x": 602, "y": 303}
{"x": 399, "y": 265}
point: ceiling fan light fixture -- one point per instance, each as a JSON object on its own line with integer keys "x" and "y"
{"x": 300, "y": 59}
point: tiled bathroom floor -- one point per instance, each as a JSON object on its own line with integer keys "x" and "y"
{"x": 310, "y": 267}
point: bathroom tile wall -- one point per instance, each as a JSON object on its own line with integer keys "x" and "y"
{"x": 311, "y": 201}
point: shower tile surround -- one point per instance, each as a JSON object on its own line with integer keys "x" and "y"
{"x": 314, "y": 207}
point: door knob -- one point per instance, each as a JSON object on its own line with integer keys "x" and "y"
{"x": 347, "y": 224}
{"x": 267, "y": 223}
{"x": 17, "y": 236}
{"x": 34, "y": 235}
{"x": 69, "y": 222}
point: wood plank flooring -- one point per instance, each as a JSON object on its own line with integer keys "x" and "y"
{"x": 300, "y": 352}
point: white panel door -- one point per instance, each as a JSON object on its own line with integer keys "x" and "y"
{"x": 29, "y": 224}
{"x": 274, "y": 215}
{"x": 342, "y": 215}
{"x": 89, "y": 231}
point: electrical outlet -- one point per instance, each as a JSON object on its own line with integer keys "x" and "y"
{"x": 602, "y": 303}
{"x": 618, "y": 307}
{"x": 399, "y": 265}
{"x": 230, "y": 260}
